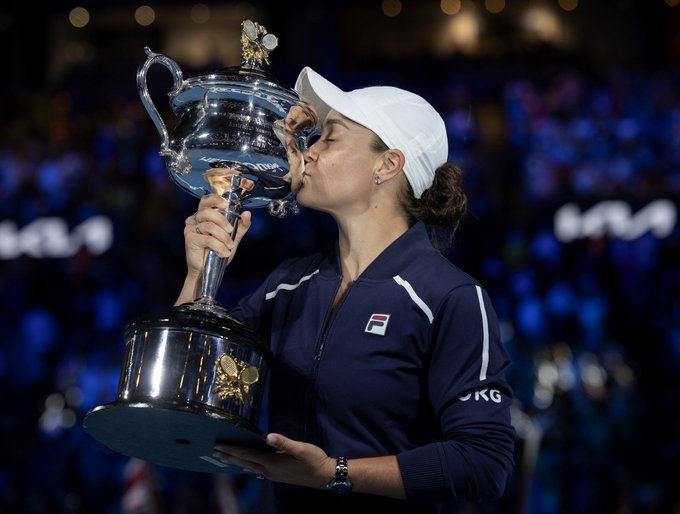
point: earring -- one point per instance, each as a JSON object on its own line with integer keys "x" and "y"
{"x": 378, "y": 180}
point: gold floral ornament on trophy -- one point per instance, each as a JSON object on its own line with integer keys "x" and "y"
{"x": 234, "y": 378}
{"x": 194, "y": 375}
{"x": 256, "y": 42}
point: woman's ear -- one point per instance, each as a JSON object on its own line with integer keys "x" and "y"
{"x": 390, "y": 164}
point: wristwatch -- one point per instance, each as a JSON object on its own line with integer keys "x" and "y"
{"x": 340, "y": 483}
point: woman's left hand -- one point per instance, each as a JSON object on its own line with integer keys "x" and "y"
{"x": 294, "y": 462}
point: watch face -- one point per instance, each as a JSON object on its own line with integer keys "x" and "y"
{"x": 340, "y": 487}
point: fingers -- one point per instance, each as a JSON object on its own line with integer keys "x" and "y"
{"x": 278, "y": 441}
{"x": 210, "y": 235}
{"x": 224, "y": 454}
{"x": 212, "y": 201}
{"x": 243, "y": 226}
{"x": 209, "y": 228}
{"x": 211, "y": 221}
{"x": 295, "y": 462}
{"x": 300, "y": 116}
{"x": 204, "y": 238}
{"x": 295, "y": 449}
{"x": 247, "y": 184}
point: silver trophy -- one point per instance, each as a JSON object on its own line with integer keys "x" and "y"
{"x": 194, "y": 375}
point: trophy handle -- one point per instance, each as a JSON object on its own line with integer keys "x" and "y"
{"x": 143, "y": 90}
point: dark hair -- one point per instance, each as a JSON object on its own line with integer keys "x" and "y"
{"x": 442, "y": 205}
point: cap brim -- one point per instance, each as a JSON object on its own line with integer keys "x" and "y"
{"x": 325, "y": 96}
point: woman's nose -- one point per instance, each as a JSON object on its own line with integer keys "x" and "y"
{"x": 306, "y": 157}
{"x": 309, "y": 154}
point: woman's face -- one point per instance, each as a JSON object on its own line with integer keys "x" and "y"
{"x": 339, "y": 168}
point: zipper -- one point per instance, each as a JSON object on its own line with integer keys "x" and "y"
{"x": 326, "y": 328}
{"x": 308, "y": 430}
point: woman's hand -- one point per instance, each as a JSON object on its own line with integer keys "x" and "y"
{"x": 208, "y": 229}
{"x": 298, "y": 463}
{"x": 294, "y": 462}
{"x": 300, "y": 116}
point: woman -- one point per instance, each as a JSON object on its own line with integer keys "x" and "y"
{"x": 387, "y": 384}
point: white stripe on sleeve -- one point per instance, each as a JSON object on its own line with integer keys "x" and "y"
{"x": 288, "y": 287}
{"x": 485, "y": 332}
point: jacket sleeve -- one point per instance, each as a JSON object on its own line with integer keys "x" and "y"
{"x": 471, "y": 403}
{"x": 254, "y": 310}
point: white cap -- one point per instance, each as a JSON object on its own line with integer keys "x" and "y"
{"x": 403, "y": 121}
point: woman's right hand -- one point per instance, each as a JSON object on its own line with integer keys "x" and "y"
{"x": 208, "y": 229}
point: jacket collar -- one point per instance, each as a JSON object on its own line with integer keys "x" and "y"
{"x": 392, "y": 260}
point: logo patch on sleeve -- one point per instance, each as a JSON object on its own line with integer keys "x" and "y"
{"x": 377, "y": 324}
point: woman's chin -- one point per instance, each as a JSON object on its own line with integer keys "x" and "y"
{"x": 301, "y": 196}
{"x": 306, "y": 199}
{"x": 296, "y": 184}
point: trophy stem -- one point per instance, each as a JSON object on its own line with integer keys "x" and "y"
{"x": 214, "y": 266}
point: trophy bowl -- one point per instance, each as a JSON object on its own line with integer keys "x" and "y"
{"x": 194, "y": 375}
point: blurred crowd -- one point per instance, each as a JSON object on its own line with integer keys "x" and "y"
{"x": 592, "y": 325}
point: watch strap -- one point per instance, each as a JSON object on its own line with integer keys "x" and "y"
{"x": 341, "y": 469}
{"x": 340, "y": 483}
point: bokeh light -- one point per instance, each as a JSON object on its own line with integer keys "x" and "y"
{"x": 391, "y": 8}
{"x": 494, "y": 6}
{"x": 542, "y": 23}
{"x": 461, "y": 34}
{"x": 79, "y": 17}
{"x": 450, "y": 7}
{"x": 568, "y": 5}
{"x": 200, "y": 13}
{"x": 145, "y": 15}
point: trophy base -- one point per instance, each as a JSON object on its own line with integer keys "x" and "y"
{"x": 180, "y": 437}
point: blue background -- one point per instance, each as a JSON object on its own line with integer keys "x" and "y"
{"x": 574, "y": 107}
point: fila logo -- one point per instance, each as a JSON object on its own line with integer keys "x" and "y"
{"x": 377, "y": 324}
{"x": 481, "y": 394}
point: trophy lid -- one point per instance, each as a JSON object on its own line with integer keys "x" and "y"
{"x": 251, "y": 76}
{"x": 228, "y": 82}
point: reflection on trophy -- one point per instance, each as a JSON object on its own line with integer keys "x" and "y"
{"x": 220, "y": 180}
{"x": 194, "y": 375}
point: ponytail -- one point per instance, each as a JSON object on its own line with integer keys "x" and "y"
{"x": 442, "y": 205}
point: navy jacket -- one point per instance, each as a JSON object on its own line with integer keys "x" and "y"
{"x": 409, "y": 364}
